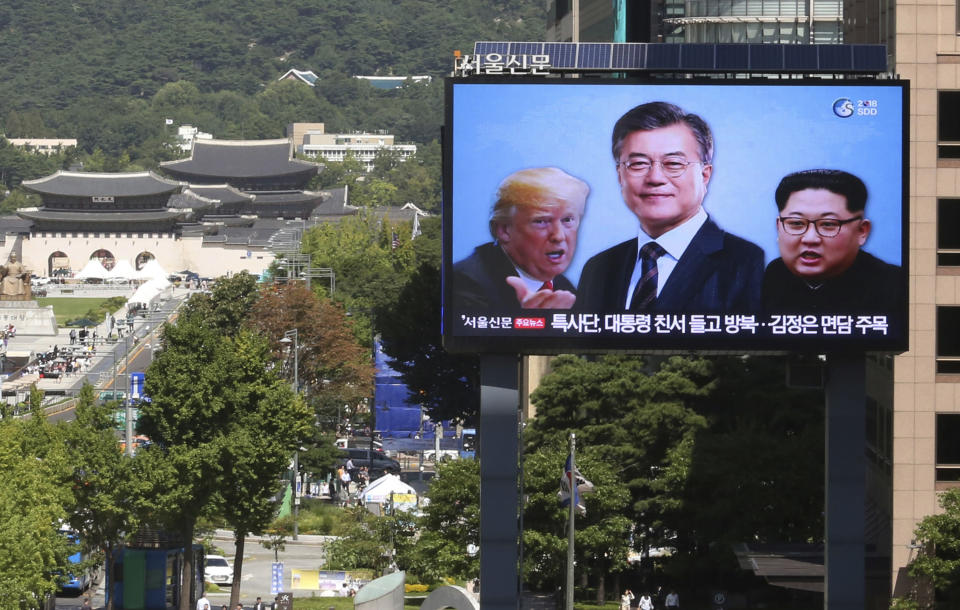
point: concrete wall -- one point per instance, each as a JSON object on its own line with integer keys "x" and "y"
{"x": 172, "y": 252}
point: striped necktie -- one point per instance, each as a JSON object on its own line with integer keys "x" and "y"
{"x": 645, "y": 293}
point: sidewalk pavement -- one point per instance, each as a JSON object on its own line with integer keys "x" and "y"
{"x": 304, "y": 539}
{"x": 71, "y": 384}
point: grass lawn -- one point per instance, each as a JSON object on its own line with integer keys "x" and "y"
{"x": 68, "y": 308}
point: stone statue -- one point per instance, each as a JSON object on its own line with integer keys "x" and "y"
{"x": 15, "y": 285}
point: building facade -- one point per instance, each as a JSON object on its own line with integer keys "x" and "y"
{"x": 706, "y": 21}
{"x": 926, "y": 424}
{"x": 310, "y": 140}
{"x": 216, "y": 215}
{"x": 46, "y": 146}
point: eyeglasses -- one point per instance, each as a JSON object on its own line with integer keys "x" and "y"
{"x": 825, "y": 227}
{"x": 671, "y": 166}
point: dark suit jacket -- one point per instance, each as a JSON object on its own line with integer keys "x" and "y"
{"x": 479, "y": 281}
{"x": 869, "y": 286}
{"x": 718, "y": 272}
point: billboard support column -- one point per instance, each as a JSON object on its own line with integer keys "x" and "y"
{"x": 845, "y": 485}
{"x": 499, "y": 453}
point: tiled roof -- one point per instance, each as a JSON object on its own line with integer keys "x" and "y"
{"x": 90, "y": 184}
{"x": 87, "y": 216}
{"x": 240, "y": 159}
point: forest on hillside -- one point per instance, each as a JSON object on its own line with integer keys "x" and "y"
{"x": 111, "y": 73}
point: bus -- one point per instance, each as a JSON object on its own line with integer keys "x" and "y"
{"x": 468, "y": 443}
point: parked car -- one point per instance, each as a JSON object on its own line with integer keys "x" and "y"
{"x": 376, "y": 463}
{"x": 217, "y": 569}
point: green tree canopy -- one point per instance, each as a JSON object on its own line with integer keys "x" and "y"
{"x": 108, "y": 492}
{"x": 446, "y": 384}
{"x": 602, "y": 536}
{"x": 450, "y": 522}
{"x": 33, "y": 497}
{"x": 206, "y": 388}
{"x": 937, "y": 564}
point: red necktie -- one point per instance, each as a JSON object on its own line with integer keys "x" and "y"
{"x": 548, "y": 285}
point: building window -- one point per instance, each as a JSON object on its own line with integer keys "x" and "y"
{"x": 948, "y": 340}
{"x": 948, "y": 124}
{"x": 948, "y": 232}
{"x": 948, "y": 447}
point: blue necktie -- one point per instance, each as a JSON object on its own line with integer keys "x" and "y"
{"x": 646, "y": 291}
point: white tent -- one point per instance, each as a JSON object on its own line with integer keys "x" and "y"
{"x": 145, "y": 293}
{"x": 122, "y": 271}
{"x": 379, "y": 491}
{"x": 93, "y": 270}
{"x": 152, "y": 270}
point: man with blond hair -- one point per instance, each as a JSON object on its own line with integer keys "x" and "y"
{"x": 534, "y": 224}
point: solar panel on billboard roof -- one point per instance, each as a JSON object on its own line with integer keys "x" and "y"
{"x": 697, "y": 56}
{"x": 869, "y": 57}
{"x": 732, "y": 56}
{"x": 800, "y": 58}
{"x": 835, "y": 58}
{"x": 526, "y": 48}
{"x": 483, "y": 48}
{"x": 766, "y": 57}
{"x": 594, "y": 55}
{"x": 663, "y": 57}
{"x": 629, "y": 56}
{"x": 562, "y": 54}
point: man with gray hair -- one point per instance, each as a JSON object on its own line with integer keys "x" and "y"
{"x": 534, "y": 224}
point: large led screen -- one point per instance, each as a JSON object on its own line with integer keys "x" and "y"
{"x": 588, "y": 215}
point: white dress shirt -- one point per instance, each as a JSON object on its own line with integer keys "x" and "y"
{"x": 675, "y": 242}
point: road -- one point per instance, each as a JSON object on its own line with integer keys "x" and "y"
{"x": 305, "y": 554}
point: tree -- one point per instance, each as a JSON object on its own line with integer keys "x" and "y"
{"x": 333, "y": 368}
{"x": 446, "y": 384}
{"x": 751, "y": 413}
{"x": 205, "y": 386}
{"x": 228, "y": 304}
{"x": 369, "y": 271}
{"x": 602, "y": 539}
{"x": 938, "y": 562}
{"x": 367, "y": 541}
{"x": 107, "y": 491}
{"x": 681, "y": 429}
{"x": 33, "y": 498}
{"x": 637, "y": 415}
{"x": 450, "y": 522}
{"x": 271, "y": 421}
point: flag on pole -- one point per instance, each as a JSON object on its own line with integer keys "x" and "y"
{"x": 582, "y": 486}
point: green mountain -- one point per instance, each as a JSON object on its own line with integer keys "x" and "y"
{"x": 109, "y": 72}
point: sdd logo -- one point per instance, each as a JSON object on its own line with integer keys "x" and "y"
{"x": 843, "y": 108}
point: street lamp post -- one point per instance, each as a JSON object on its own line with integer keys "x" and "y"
{"x": 292, "y": 336}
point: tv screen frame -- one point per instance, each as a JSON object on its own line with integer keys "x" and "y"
{"x": 763, "y": 130}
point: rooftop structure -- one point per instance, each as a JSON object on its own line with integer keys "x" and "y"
{"x": 245, "y": 164}
{"x": 310, "y": 140}
{"x": 46, "y": 146}
{"x": 393, "y": 82}
{"x": 306, "y": 77}
{"x": 108, "y": 201}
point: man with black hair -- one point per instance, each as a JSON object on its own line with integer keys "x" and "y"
{"x": 821, "y": 228}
